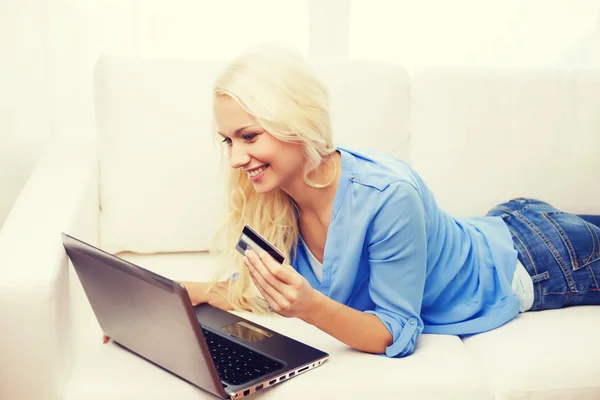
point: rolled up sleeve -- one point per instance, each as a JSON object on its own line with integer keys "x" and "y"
{"x": 397, "y": 247}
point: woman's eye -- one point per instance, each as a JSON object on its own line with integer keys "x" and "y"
{"x": 228, "y": 141}
{"x": 249, "y": 136}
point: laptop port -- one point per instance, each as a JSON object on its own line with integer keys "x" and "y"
{"x": 282, "y": 378}
{"x": 246, "y": 392}
{"x": 303, "y": 369}
{"x": 259, "y": 387}
{"x": 273, "y": 382}
{"x": 292, "y": 374}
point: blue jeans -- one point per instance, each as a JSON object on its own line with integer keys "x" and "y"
{"x": 561, "y": 251}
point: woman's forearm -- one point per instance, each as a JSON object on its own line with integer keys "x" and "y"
{"x": 199, "y": 291}
{"x": 357, "y": 329}
{"x": 291, "y": 295}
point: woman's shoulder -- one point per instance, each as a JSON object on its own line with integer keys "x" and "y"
{"x": 376, "y": 169}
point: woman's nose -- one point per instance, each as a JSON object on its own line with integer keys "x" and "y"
{"x": 238, "y": 157}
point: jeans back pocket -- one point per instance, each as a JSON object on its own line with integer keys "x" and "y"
{"x": 581, "y": 239}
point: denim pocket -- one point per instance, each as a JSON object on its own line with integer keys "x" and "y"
{"x": 581, "y": 239}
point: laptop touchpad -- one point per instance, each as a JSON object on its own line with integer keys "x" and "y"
{"x": 247, "y": 332}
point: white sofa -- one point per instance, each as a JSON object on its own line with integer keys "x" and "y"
{"x": 148, "y": 188}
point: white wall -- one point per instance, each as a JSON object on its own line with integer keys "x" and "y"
{"x": 48, "y": 48}
{"x": 24, "y": 116}
{"x": 473, "y": 32}
{"x": 78, "y": 32}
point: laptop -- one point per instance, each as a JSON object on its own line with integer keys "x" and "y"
{"x": 152, "y": 316}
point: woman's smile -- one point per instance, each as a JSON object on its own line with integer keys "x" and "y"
{"x": 256, "y": 174}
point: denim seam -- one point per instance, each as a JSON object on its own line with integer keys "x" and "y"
{"x": 538, "y": 287}
{"x": 505, "y": 209}
{"x": 594, "y": 241}
{"x": 528, "y": 206}
{"x": 571, "y": 294}
{"x": 591, "y": 271}
{"x": 552, "y": 249}
{"x": 520, "y": 211}
{"x": 580, "y": 263}
{"x": 592, "y": 233}
{"x": 575, "y": 263}
{"x": 540, "y": 277}
{"x": 566, "y": 241}
{"x": 524, "y": 250}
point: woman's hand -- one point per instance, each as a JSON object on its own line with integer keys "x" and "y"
{"x": 217, "y": 297}
{"x": 287, "y": 292}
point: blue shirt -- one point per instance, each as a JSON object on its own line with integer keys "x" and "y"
{"x": 392, "y": 252}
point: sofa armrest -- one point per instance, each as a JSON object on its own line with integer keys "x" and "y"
{"x": 38, "y": 329}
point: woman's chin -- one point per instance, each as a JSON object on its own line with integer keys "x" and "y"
{"x": 261, "y": 188}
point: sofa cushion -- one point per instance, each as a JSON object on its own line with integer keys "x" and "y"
{"x": 545, "y": 355}
{"x": 482, "y": 136}
{"x": 159, "y": 164}
{"x": 440, "y": 367}
{"x": 160, "y": 174}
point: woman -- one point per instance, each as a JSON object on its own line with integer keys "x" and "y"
{"x": 372, "y": 259}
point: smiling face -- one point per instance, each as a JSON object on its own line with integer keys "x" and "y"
{"x": 268, "y": 162}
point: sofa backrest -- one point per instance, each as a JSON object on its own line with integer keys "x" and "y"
{"x": 160, "y": 176}
{"x": 478, "y": 137}
{"x": 481, "y": 136}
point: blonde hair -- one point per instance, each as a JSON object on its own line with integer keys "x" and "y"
{"x": 280, "y": 89}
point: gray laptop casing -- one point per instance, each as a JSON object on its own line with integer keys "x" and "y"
{"x": 152, "y": 316}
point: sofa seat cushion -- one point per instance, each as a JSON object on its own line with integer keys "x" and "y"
{"x": 546, "y": 355}
{"x": 440, "y": 368}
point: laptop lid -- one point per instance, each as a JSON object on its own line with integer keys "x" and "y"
{"x": 138, "y": 309}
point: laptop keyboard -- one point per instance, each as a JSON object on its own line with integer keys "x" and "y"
{"x": 237, "y": 364}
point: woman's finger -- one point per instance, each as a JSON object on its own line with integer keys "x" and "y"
{"x": 276, "y": 300}
{"x": 272, "y": 303}
{"x": 279, "y": 271}
{"x": 264, "y": 272}
{"x": 105, "y": 339}
{"x": 287, "y": 278}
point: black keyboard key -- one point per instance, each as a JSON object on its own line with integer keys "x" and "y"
{"x": 237, "y": 364}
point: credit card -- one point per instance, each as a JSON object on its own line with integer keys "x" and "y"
{"x": 250, "y": 239}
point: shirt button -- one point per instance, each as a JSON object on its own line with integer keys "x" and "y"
{"x": 351, "y": 177}
{"x": 412, "y": 322}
